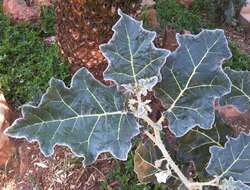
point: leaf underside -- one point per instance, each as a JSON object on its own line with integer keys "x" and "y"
{"x": 192, "y": 79}
{"x": 240, "y": 94}
{"x": 88, "y": 117}
{"x": 233, "y": 160}
{"x": 131, "y": 52}
{"x": 144, "y": 159}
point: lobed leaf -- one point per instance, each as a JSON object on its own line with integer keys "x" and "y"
{"x": 192, "y": 79}
{"x": 194, "y": 146}
{"x": 231, "y": 161}
{"x": 131, "y": 52}
{"x": 240, "y": 94}
{"x": 88, "y": 117}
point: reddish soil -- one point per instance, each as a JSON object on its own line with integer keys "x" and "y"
{"x": 29, "y": 169}
{"x": 242, "y": 39}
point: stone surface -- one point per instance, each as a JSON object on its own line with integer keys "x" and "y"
{"x": 245, "y": 16}
{"x": 18, "y": 11}
{"x": 6, "y": 147}
{"x": 239, "y": 122}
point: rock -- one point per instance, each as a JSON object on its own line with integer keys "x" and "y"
{"x": 245, "y": 16}
{"x": 239, "y": 122}
{"x": 244, "y": 20}
{"x": 6, "y": 147}
{"x": 186, "y": 3}
{"x": 19, "y": 11}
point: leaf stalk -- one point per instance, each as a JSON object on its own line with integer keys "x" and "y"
{"x": 156, "y": 138}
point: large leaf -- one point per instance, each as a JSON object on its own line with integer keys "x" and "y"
{"x": 192, "y": 79}
{"x": 231, "y": 161}
{"x": 88, "y": 117}
{"x": 131, "y": 52}
{"x": 240, "y": 94}
{"x": 194, "y": 146}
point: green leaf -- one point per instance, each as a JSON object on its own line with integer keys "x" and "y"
{"x": 131, "y": 52}
{"x": 231, "y": 184}
{"x": 144, "y": 159}
{"x": 192, "y": 79}
{"x": 240, "y": 94}
{"x": 194, "y": 146}
{"x": 88, "y": 117}
{"x": 231, "y": 161}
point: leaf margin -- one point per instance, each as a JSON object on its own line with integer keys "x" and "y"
{"x": 220, "y": 68}
{"x": 168, "y": 52}
{"x": 230, "y": 139}
{"x": 32, "y": 140}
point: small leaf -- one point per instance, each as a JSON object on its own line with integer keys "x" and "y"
{"x": 194, "y": 146}
{"x": 240, "y": 94}
{"x": 231, "y": 184}
{"x": 143, "y": 86}
{"x": 163, "y": 176}
{"x": 144, "y": 162}
{"x": 131, "y": 52}
{"x": 231, "y": 161}
{"x": 88, "y": 117}
{"x": 192, "y": 79}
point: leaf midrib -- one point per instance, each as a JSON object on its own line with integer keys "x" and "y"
{"x": 235, "y": 160}
{"x": 191, "y": 76}
{"x": 80, "y": 116}
{"x": 242, "y": 91}
{"x": 131, "y": 55}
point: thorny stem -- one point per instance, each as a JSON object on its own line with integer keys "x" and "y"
{"x": 156, "y": 138}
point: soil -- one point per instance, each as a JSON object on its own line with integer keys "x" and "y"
{"x": 29, "y": 169}
{"x": 242, "y": 39}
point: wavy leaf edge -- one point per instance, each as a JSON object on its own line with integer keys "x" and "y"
{"x": 65, "y": 144}
{"x": 224, "y": 148}
{"x": 121, "y": 14}
{"x": 240, "y": 72}
{"x": 221, "y": 69}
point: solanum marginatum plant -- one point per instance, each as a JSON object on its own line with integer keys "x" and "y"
{"x": 91, "y": 118}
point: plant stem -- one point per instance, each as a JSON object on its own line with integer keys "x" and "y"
{"x": 158, "y": 142}
{"x": 156, "y": 138}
